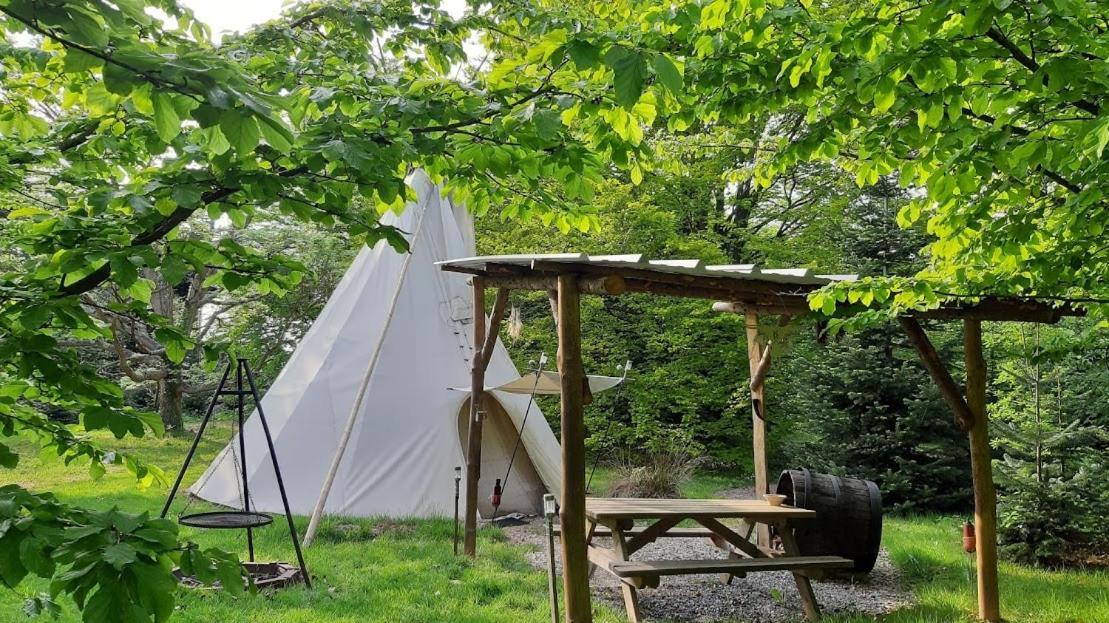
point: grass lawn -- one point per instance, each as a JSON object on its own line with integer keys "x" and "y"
{"x": 408, "y": 573}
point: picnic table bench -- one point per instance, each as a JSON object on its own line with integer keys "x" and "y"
{"x": 615, "y": 518}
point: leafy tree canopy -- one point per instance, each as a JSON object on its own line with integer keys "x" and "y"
{"x": 993, "y": 111}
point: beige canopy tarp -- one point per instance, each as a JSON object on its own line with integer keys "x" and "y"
{"x": 548, "y": 384}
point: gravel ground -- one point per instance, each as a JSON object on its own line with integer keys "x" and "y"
{"x": 769, "y": 597}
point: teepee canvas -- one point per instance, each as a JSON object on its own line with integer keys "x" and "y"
{"x": 376, "y": 366}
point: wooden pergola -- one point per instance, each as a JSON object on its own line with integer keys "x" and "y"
{"x": 743, "y": 289}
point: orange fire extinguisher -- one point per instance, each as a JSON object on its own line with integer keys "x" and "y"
{"x": 969, "y": 540}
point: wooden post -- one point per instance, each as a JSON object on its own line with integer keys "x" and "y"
{"x": 758, "y": 415}
{"x": 473, "y": 434}
{"x": 575, "y": 561}
{"x": 485, "y": 342}
{"x": 985, "y": 496}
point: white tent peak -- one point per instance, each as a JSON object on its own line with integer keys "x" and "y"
{"x": 388, "y": 344}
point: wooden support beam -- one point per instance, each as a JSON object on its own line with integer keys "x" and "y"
{"x": 767, "y": 309}
{"x": 758, "y": 416}
{"x": 485, "y": 341}
{"x": 490, "y": 343}
{"x": 599, "y": 284}
{"x": 762, "y": 369}
{"x": 552, "y": 298}
{"x": 981, "y": 467}
{"x": 964, "y": 418}
{"x": 575, "y": 560}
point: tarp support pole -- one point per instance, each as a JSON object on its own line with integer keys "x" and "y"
{"x": 485, "y": 342}
{"x": 758, "y": 412}
{"x": 985, "y": 496}
{"x": 575, "y": 562}
{"x": 473, "y": 426}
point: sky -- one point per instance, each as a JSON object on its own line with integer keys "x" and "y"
{"x": 234, "y": 15}
{"x": 239, "y": 15}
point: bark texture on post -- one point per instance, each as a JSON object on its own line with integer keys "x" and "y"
{"x": 985, "y": 496}
{"x": 758, "y": 413}
{"x": 575, "y": 563}
{"x": 473, "y": 427}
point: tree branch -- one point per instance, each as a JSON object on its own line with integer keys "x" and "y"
{"x": 998, "y": 37}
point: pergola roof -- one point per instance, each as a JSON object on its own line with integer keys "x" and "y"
{"x": 737, "y": 287}
{"x": 802, "y": 276}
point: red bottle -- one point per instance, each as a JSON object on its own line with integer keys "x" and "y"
{"x": 496, "y": 497}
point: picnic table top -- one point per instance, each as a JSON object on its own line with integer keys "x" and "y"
{"x": 640, "y": 508}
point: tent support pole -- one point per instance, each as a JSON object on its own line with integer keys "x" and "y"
{"x": 575, "y": 563}
{"x": 348, "y": 429}
{"x": 985, "y": 496}
{"x": 485, "y": 342}
{"x": 758, "y": 412}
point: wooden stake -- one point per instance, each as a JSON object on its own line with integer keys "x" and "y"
{"x": 985, "y": 496}
{"x": 758, "y": 414}
{"x": 575, "y": 560}
{"x": 473, "y": 435}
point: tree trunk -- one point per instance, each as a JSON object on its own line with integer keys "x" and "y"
{"x": 170, "y": 396}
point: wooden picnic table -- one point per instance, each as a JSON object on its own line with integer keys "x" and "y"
{"x": 615, "y": 518}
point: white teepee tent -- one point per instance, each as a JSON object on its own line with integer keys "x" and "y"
{"x": 380, "y": 358}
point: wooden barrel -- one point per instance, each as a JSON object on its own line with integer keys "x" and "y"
{"x": 849, "y": 515}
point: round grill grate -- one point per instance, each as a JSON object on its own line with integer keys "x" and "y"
{"x": 226, "y": 519}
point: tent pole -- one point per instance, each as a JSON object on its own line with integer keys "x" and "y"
{"x": 575, "y": 563}
{"x": 985, "y": 496}
{"x": 473, "y": 428}
{"x": 325, "y": 491}
{"x": 758, "y": 413}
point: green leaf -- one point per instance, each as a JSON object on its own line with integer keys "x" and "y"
{"x": 124, "y": 273}
{"x": 629, "y": 73}
{"x": 240, "y": 129}
{"x": 102, "y": 606}
{"x": 177, "y": 346}
{"x": 12, "y": 570}
{"x": 141, "y": 290}
{"x": 166, "y": 121}
{"x": 885, "y": 94}
{"x": 277, "y": 135}
{"x": 78, "y": 61}
{"x": 33, "y": 555}
{"x": 119, "y": 555}
{"x": 118, "y": 80}
{"x": 668, "y": 74}
{"x": 8, "y": 458}
{"x": 584, "y": 54}
{"x": 174, "y": 269}
{"x": 156, "y": 589}
{"x": 153, "y": 421}
{"x": 165, "y": 206}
